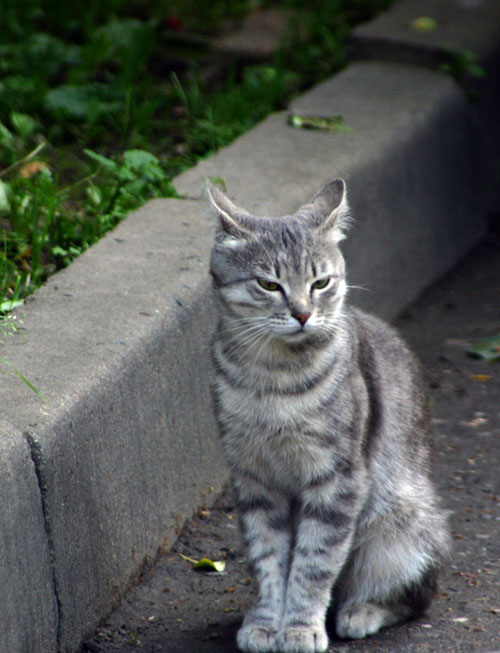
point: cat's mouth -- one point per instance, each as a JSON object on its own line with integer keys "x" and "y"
{"x": 301, "y": 332}
{"x": 303, "y": 335}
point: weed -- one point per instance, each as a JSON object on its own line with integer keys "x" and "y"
{"x": 15, "y": 372}
{"x": 9, "y": 326}
{"x": 43, "y": 232}
{"x": 85, "y": 133}
{"x": 462, "y": 64}
{"x": 91, "y": 127}
{"x": 464, "y": 67}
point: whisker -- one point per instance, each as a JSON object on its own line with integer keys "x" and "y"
{"x": 349, "y": 287}
{"x": 246, "y": 336}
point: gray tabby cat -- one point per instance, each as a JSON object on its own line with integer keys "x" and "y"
{"x": 323, "y": 422}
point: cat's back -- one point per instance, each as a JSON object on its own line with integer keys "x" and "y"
{"x": 397, "y": 440}
{"x": 383, "y": 356}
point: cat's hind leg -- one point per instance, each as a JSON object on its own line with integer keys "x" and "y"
{"x": 390, "y": 577}
{"x": 362, "y": 619}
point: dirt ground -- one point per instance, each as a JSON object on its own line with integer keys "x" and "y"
{"x": 178, "y": 610}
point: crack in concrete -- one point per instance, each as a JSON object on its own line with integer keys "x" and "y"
{"x": 38, "y": 462}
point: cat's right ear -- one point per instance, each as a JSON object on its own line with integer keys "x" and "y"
{"x": 231, "y": 221}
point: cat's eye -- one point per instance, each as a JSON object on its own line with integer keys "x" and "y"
{"x": 268, "y": 285}
{"x": 320, "y": 283}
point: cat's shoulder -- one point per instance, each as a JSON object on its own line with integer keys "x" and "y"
{"x": 365, "y": 321}
{"x": 377, "y": 334}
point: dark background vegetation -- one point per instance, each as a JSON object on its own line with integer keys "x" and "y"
{"x": 103, "y": 102}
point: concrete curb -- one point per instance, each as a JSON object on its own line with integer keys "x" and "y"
{"x": 96, "y": 483}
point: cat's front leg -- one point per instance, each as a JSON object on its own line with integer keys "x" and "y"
{"x": 321, "y": 548}
{"x": 265, "y": 522}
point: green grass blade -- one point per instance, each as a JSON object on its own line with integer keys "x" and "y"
{"x": 16, "y": 372}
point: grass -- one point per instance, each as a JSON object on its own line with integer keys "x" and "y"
{"x": 94, "y": 120}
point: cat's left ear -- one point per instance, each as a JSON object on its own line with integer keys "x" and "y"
{"x": 331, "y": 210}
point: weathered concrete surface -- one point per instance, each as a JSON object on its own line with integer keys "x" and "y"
{"x": 126, "y": 447}
{"x": 460, "y": 26}
{"x": 97, "y": 481}
{"x": 465, "y": 35}
{"x": 27, "y": 597}
{"x": 410, "y": 161}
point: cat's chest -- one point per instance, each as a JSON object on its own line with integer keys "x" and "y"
{"x": 270, "y": 410}
{"x": 277, "y": 421}
{"x": 275, "y": 436}
{"x": 295, "y": 454}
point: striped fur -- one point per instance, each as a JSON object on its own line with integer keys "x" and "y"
{"x": 323, "y": 422}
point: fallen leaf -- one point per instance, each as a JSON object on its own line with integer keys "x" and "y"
{"x": 488, "y": 348}
{"x": 323, "y": 123}
{"x": 424, "y": 24}
{"x": 480, "y": 377}
{"x": 477, "y": 421}
{"x": 205, "y": 564}
{"x": 208, "y": 565}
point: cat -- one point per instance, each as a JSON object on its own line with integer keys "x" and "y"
{"x": 323, "y": 421}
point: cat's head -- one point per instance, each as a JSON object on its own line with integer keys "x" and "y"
{"x": 282, "y": 278}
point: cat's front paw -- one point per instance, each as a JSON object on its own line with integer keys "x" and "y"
{"x": 256, "y": 639}
{"x": 306, "y": 639}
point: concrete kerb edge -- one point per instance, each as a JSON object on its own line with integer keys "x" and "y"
{"x": 462, "y": 37}
{"x": 109, "y": 455}
{"x": 27, "y": 594}
{"x": 46, "y": 631}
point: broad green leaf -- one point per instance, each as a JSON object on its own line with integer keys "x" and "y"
{"x": 6, "y": 137}
{"x": 82, "y": 102}
{"x": 139, "y": 159}
{"x": 4, "y": 198}
{"x": 10, "y": 304}
{"x": 24, "y": 124}
{"x": 102, "y": 160}
{"x": 59, "y": 251}
{"x": 94, "y": 195}
{"x": 143, "y": 163}
{"x": 72, "y": 100}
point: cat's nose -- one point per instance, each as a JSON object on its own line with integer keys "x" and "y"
{"x": 302, "y": 317}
